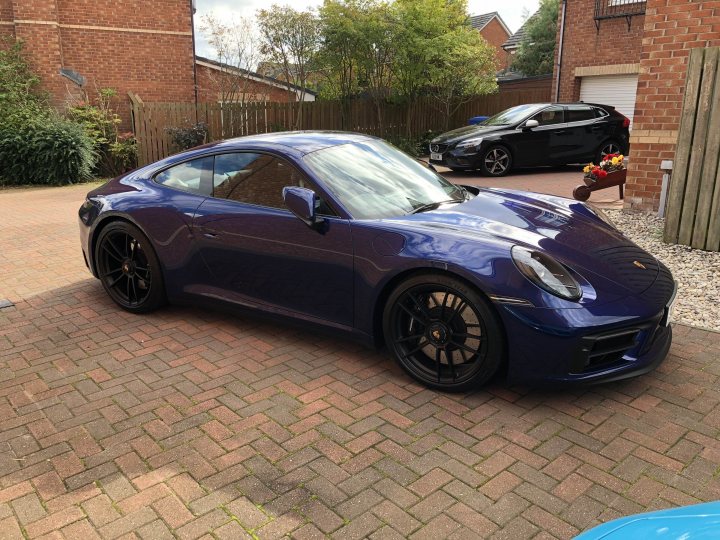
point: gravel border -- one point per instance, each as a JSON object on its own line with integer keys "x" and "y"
{"x": 697, "y": 272}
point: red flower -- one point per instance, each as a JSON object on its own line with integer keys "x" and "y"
{"x": 602, "y": 174}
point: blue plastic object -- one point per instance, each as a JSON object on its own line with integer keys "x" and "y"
{"x": 696, "y": 522}
{"x": 477, "y": 119}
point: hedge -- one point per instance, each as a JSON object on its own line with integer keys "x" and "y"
{"x": 51, "y": 150}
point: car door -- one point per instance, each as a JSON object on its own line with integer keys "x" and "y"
{"x": 259, "y": 253}
{"x": 585, "y": 131}
{"x": 541, "y": 145}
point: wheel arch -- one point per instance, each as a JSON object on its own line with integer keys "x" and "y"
{"x": 391, "y": 285}
{"x": 103, "y": 221}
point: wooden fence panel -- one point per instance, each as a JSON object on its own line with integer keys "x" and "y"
{"x": 239, "y": 119}
{"x": 694, "y": 198}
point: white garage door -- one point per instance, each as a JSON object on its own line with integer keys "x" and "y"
{"x": 616, "y": 90}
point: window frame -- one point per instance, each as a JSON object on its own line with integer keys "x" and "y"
{"x": 313, "y": 185}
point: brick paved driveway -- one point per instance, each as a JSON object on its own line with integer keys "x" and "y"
{"x": 189, "y": 424}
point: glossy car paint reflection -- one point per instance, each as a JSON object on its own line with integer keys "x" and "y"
{"x": 695, "y": 522}
{"x": 340, "y": 274}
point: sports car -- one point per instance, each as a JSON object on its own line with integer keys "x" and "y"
{"x": 345, "y": 231}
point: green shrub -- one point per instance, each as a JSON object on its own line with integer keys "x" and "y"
{"x": 49, "y": 151}
{"x": 117, "y": 153}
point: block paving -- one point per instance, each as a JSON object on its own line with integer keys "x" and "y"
{"x": 188, "y": 423}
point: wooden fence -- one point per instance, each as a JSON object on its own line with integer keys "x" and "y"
{"x": 150, "y": 120}
{"x": 693, "y": 207}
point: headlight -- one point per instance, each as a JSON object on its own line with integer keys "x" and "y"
{"x": 468, "y": 143}
{"x": 600, "y": 214}
{"x": 546, "y": 273}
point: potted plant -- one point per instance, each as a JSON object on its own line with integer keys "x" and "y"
{"x": 609, "y": 172}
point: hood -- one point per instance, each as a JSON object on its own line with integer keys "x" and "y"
{"x": 466, "y": 132}
{"x": 563, "y": 228}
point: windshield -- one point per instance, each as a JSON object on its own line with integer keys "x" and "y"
{"x": 373, "y": 179}
{"x": 512, "y": 115}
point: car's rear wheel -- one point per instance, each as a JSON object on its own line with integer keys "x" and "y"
{"x": 496, "y": 161}
{"x": 128, "y": 268}
{"x": 443, "y": 333}
{"x": 608, "y": 147}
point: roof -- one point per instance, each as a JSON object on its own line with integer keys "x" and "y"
{"x": 514, "y": 41}
{"x": 302, "y": 142}
{"x": 478, "y": 22}
{"x": 214, "y": 64}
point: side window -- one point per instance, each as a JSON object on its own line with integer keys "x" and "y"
{"x": 254, "y": 178}
{"x": 551, "y": 115}
{"x": 580, "y": 114}
{"x": 192, "y": 176}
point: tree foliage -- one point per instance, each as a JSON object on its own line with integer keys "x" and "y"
{"x": 20, "y": 96}
{"x": 235, "y": 47}
{"x": 536, "y": 54}
{"x": 402, "y": 50}
{"x": 290, "y": 39}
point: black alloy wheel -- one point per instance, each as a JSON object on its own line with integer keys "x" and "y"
{"x": 609, "y": 147}
{"x": 128, "y": 268}
{"x": 443, "y": 333}
{"x": 496, "y": 161}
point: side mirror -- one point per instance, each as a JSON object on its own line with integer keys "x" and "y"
{"x": 530, "y": 124}
{"x": 301, "y": 202}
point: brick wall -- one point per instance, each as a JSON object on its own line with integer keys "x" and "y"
{"x": 130, "y": 45}
{"x": 209, "y": 88}
{"x": 608, "y": 51}
{"x": 672, "y": 28}
{"x": 495, "y": 35}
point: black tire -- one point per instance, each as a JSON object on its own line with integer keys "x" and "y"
{"x": 432, "y": 315}
{"x": 496, "y": 161}
{"x": 608, "y": 147}
{"x": 128, "y": 268}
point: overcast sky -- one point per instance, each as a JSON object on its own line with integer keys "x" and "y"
{"x": 512, "y": 12}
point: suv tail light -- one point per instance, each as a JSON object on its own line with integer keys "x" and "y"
{"x": 626, "y": 121}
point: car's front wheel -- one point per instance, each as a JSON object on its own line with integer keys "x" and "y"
{"x": 128, "y": 268}
{"x": 443, "y": 332}
{"x": 496, "y": 161}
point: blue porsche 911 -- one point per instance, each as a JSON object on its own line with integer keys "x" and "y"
{"x": 347, "y": 232}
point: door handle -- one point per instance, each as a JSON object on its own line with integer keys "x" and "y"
{"x": 560, "y": 132}
{"x": 210, "y": 235}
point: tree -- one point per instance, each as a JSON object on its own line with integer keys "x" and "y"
{"x": 290, "y": 39}
{"x": 463, "y": 65}
{"x": 338, "y": 54}
{"x": 536, "y": 54}
{"x": 418, "y": 26}
{"x": 356, "y": 51}
{"x": 376, "y": 57}
{"x": 236, "y": 50}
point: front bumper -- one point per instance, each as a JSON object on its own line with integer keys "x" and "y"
{"x": 455, "y": 158}
{"x": 588, "y": 352}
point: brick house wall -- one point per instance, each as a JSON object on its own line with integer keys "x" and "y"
{"x": 495, "y": 34}
{"x": 672, "y": 29}
{"x": 657, "y": 47}
{"x": 614, "y": 50}
{"x": 257, "y": 91}
{"x": 128, "y": 45}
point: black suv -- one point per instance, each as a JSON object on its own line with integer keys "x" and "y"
{"x": 531, "y": 135}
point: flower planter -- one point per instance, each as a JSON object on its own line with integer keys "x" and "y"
{"x": 615, "y": 178}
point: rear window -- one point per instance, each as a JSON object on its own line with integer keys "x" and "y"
{"x": 580, "y": 114}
